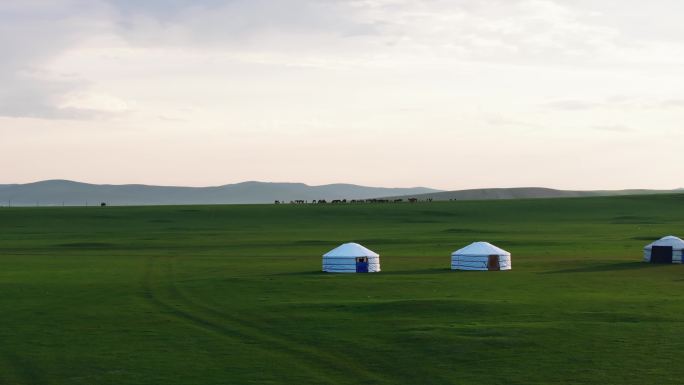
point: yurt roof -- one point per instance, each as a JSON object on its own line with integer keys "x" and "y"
{"x": 481, "y": 248}
{"x": 351, "y": 250}
{"x": 670, "y": 240}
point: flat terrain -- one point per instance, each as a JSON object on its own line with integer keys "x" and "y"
{"x": 232, "y": 295}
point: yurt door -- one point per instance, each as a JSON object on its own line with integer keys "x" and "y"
{"x": 661, "y": 254}
{"x": 493, "y": 263}
{"x": 362, "y": 265}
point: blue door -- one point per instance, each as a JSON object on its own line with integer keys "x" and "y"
{"x": 362, "y": 265}
{"x": 661, "y": 254}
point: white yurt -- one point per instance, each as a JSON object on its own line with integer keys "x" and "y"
{"x": 351, "y": 258}
{"x": 481, "y": 256}
{"x": 665, "y": 250}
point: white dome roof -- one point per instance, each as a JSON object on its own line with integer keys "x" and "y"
{"x": 670, "y": 240}
{"x": 351, "y": 250}
{"x": 481, "y": 248}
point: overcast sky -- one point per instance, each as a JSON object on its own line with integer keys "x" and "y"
{"x": 452, "y": 94}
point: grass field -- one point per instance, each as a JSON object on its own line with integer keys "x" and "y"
{"x": 233, "y": 295}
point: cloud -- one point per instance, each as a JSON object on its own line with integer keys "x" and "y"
{"x": 27, "y": 94}
{"x": 36, "y": 33}
{"x": 254, "y": 25}
{"x": 32, "y": 35}
{"x": 574, "y": 105}
{"x": 536, "y": 31}
{"x": 619, "y": 102}
{"x": 332, "y": 35}
{"x": 615, "y": 128}
{"x": 672, "y": 103}
{"x": 514, "y": 30}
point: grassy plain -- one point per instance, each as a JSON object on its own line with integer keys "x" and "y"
{"x": 233, "y": 295}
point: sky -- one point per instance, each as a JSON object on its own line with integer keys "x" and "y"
{"x": 450, "y": 94}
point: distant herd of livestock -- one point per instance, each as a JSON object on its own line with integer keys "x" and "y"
{"x": 342, "y": 201}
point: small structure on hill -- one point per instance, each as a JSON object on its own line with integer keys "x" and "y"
{"x": 665, "y": 250}
{"x": 351, "y": 258}
{"x": 481, "y": 256}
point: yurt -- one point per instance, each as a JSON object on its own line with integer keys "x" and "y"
{"x": 481, "y": 256}
{"x": 665, "y": 250}
{"x": 351, "y": 258}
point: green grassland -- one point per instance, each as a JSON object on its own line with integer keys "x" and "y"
{"x": 233, "y": 295}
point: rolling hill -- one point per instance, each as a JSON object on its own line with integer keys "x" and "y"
{"x": 525, "y": 193}
{"x": 69, "y": 193}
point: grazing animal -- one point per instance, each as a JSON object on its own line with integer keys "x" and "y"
{"x": 413, "y": 200}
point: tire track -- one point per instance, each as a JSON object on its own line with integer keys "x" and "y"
{"x": 342, "y": 365}
{"x": 230, "y": 326}
{"x": 170, "y": 305}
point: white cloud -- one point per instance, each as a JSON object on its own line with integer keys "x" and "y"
{"x": 92, "y": 101}
{"x": 31, "y": 36}
{"x": 574, "y": 105}
{"x": 615, "y": 128}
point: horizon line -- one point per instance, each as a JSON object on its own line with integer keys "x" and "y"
{"x": 338, "y": 183}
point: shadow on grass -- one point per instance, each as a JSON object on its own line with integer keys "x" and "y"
{"x": 87, "y": 245}
{"x": 301, "y": 273}
{"x": 440, "y": 270}
{"x": 622, "y": 266}
{"x": 395, "y": 272}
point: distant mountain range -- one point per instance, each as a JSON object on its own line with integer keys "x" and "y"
{"x": 69, "y": 193}
{"x": 525, "y": 193}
